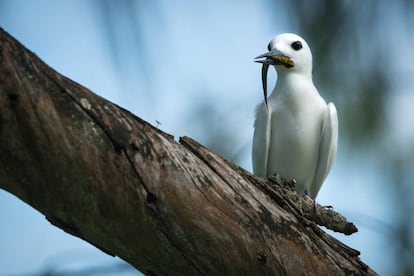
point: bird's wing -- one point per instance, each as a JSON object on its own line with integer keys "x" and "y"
{"x": 327, "y": 148}
{"x": 261, "y": 140}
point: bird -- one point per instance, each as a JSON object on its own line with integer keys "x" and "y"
{"x": 295, "y": 130}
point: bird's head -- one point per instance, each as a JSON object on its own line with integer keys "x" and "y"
{"x": 288, "y": 53}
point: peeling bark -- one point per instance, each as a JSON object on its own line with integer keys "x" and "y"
{"x": 102, "y": 174}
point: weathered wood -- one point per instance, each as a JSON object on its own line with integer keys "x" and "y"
{"x": 102, "y": 174}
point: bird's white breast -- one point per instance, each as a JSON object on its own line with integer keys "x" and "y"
{"x": 296, "y": 120}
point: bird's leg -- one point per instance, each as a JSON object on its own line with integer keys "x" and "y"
{"x": 314, "y": 202}
{"x": 306, "y": 195}
{"x": 291, "y": 184}
{"x": 275, "y": 179}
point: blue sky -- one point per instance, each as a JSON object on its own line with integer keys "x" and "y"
{"x": 198, "y": 52}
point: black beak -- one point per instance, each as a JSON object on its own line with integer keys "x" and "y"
{"x": 272, "y": 57}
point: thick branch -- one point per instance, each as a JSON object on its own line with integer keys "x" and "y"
{"x": 106, "y": 176}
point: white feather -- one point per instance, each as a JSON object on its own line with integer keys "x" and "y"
{"x": 327, "y": 149}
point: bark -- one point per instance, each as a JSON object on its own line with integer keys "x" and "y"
{"x": 102, "y": 174}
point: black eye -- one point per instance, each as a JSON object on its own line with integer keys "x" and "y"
{"x": 297, "y": 45}
{"x": 269, "y": 47}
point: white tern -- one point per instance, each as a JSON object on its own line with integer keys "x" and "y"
{"x": 296, "y": 132}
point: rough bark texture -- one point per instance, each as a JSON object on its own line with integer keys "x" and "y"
{"x": 102, "y": 174}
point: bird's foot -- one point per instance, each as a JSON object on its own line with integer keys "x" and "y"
{"x": 325, "y": 207}
{"x": 275, "y": 179}
{"x": 291, "y": 184}
{"x": 278, "y": 180}
{"x": 307, "y": 197}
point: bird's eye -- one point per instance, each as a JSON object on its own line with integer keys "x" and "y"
{"x": 297, "y": 45}
{"x": 269, "y": 47}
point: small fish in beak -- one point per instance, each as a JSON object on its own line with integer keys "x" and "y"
{"x": 273, "y": 57}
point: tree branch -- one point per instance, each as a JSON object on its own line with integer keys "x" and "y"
{"x": 102, "y": 174}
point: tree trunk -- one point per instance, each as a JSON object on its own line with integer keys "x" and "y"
{"x": 100, "y": 173}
